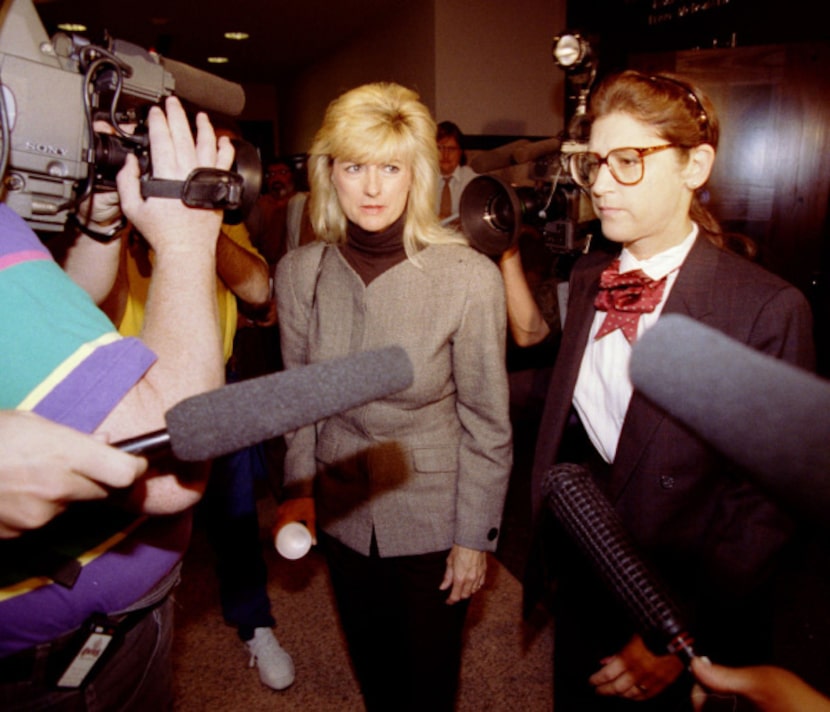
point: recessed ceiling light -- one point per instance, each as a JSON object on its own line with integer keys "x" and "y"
{"x": 236, "y": 35}
{"x": 218, "y": 60}
{"x": 72, "y": 27}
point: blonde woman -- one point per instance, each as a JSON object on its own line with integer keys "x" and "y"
{"x": 409, "y": 489}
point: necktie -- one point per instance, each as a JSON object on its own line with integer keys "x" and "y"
{"x": 446, "y": 201}
{"x": 625, "y": 297}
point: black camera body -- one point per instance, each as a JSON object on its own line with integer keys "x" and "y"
{"x": 554, "y": 209}
{"x": 494, "y": 213}
{"x": 51, "y": 92}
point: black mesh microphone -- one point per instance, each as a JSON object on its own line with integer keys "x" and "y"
{"x": 242, "y": 414}
{"x": 587, "y": 515}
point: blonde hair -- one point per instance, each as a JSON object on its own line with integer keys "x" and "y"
{"x": 378, "y": 123}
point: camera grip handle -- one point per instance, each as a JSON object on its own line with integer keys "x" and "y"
{"x": 209, "y": 188}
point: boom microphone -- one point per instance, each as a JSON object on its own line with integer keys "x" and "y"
{"x": 766, "y": 415}
{"x": 497, "y": 158}
{"x": 205, "y": 90}
{"x": 532, "y": 151}
{"x": 245, "y": 413}
{"x": 594, "y": 525}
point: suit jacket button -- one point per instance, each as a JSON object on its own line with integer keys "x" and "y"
{"x": 492, "y": 534}
{"x": 667, "y": 481}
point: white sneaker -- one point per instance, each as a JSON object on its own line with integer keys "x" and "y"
{"x": 276, "y": 668}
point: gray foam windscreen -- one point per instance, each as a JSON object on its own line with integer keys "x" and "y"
{"x": 249, "y": 412}
{"x": 768, "y": 416}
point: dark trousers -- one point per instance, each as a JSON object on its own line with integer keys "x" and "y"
{"x": 403, "y": 638}
{"x": 136, "y": 677}
{"x": 230, "y": 516}
{"x": 229, "y": 510}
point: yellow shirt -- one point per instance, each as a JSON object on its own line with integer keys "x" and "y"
{"x": 137, "y": 265}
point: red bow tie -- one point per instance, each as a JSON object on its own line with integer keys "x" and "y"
{"x": 625, "y": 297}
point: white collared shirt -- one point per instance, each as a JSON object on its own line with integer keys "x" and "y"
{"x": 459, "y": 179}
{"x": 603, "y": 387}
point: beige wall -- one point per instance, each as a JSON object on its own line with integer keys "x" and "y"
{"x": 484, "y": 64}
{"x": 399, "y": 48}
{"x": 493, "y": 66}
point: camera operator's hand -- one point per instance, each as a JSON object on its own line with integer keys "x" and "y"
{"x": 181, "y": 317}
{"x": 166, "y": 222}
{"x": 524, "y": 317}
{"x": 101, "y": 210}
{"x": 45, "y": 466}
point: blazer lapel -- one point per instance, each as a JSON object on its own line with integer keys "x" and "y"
{"x": 577, "y": 327}
{"x": 691, "y": 295}
{"x": 580, "y": 316}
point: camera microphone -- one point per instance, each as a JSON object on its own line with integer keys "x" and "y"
{"x": 532, "y": 151}
{"x": 205, "y": 90}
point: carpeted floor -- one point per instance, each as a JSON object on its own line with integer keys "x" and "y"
{"x": 506, "y": 664}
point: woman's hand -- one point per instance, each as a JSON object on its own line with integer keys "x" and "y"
{"x": 636, "y": 673}
{"x": 465, "y": 573}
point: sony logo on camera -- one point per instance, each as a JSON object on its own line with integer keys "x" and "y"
{"x": 46, "y": 149}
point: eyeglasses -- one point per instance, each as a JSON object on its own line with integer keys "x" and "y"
{"x": 625, "y": 164}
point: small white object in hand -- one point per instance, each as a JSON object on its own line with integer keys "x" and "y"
{"x": 293, "y": 540}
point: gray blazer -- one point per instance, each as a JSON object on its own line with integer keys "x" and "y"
{"x": 428, "y": 467}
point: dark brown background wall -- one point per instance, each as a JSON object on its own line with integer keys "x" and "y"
{"x": 765, "y": 64}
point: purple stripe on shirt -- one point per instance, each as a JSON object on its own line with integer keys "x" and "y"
{"x": 17, "y": 235}
{"x": 87, "y": 395}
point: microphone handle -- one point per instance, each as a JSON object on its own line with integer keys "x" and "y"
{"x": 148, "y": 444}
{"x": 588, "y": 517}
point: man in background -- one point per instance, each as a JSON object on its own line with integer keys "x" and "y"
{"x": 455, "y": 173}
{"x": 279, "y": 222}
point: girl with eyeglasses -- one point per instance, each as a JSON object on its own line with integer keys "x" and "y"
{"x": 708, "y": 533}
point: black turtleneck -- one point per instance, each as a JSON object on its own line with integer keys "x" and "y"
{"x": 372, "y": 253}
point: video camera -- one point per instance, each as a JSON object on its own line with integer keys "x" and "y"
{"x": 494, "y": 213}
{"x": 51, "y": 92}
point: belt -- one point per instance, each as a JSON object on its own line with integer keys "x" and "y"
{"x": 46, "y": 660}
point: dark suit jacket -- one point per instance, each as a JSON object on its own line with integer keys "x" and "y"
{"x": 711, "y": 535}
